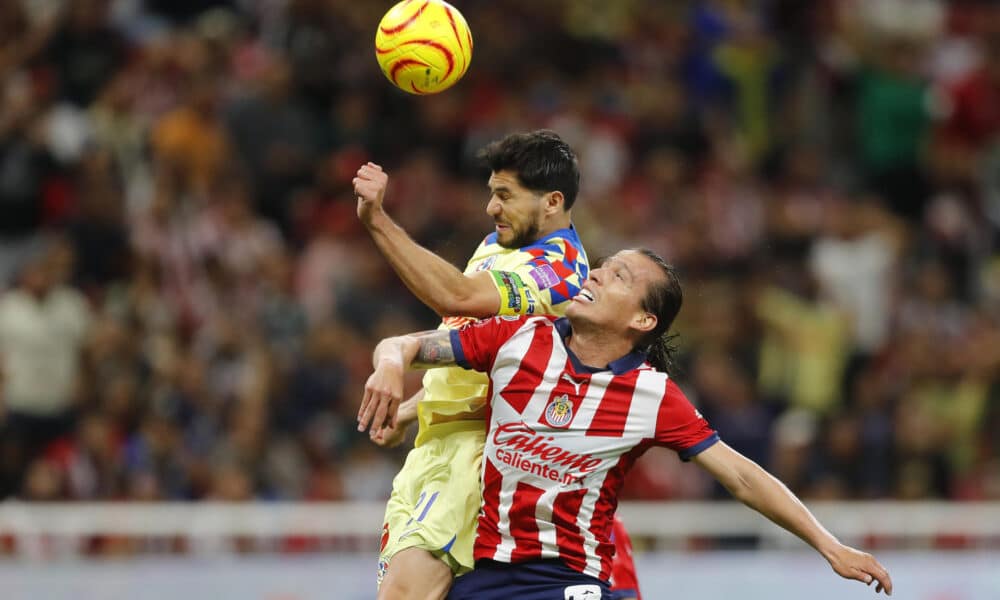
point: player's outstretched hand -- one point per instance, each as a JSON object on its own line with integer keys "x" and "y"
{"x": 369, "y": 187}
{"x": 389, "y": 436}
{"x": 854, "y": 564}
{"x": 383, "y": 393}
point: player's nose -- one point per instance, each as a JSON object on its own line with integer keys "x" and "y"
{"x": 493, "y": 207}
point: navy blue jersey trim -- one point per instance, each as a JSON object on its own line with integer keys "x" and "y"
{"x": 698, "y": 448}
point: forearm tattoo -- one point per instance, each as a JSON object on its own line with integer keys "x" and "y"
{"x": 435, "y": 350}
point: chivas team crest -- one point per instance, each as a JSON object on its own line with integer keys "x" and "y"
{"x": 559, "y": 412}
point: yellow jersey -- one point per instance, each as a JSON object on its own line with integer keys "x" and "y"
{"x": 539, "y": 278}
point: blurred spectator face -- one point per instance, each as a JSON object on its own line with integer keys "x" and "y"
{"x": 277, "y": 270}
{"x": 516, "y": 210}
{"x": 36, "y": 279}
{"x": 43, "y": 482}
{"x": 276, "y": 80}
{"x": 903, "y": 57}
{"x": 991, "y": 58}
{"x": 120, "y": 397}
{"x": 48, "y": 270}
{"x": 13, "y": 21}
{"x": 203, "y": 95}
{"x": 666, "y": 168}
{"x": 235, "y": 203}
{"x": 231, "y": 483}
{"x": 95, "y": 436}
{"x": 144, "y": 486}
{"x": 843, "y": 438}
{"x": 88, "y": 15}
{"x": 934, "y": 282}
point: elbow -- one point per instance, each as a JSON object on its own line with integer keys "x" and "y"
{"x": 449, "y": 306}
{"x": 741, "y": 489}
{"x": 743, "y": 485}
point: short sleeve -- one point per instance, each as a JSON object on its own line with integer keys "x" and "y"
{"x": 680, "y": 427}
{"x": 552, "y": 274}
{"x": 476, "y": 345}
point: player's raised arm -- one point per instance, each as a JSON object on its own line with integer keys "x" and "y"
{"x": 384, "y": 388}
{"x": 758, "y": 489}
{"x": 435, "y": 281}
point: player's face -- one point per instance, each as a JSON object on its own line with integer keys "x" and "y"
{"x": 612, "y": 295}
{"x": 517, "y": 211}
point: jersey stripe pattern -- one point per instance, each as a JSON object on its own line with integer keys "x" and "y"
{"x": 561, "y": 438}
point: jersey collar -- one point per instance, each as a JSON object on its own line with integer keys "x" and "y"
{"x": 619, "y": 366}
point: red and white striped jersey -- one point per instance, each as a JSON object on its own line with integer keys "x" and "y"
{"x": 561, "y": 438}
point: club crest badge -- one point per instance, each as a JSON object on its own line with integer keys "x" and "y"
{"x": 486, "y": 264}
{"x": 383, "y": 566}
{"x": 559, "y": 412}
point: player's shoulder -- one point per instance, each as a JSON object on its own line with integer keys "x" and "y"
{"x": 530, "y": 321}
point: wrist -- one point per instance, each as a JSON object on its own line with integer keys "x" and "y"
{"x": 389, "y": 362}
{"x": 377, "y": 219}
{"x": 829, "y": 548}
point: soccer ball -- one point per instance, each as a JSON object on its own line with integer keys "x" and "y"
{"x": 423, "y": 46}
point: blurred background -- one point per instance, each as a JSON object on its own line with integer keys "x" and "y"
{"x": 188, "y": 303}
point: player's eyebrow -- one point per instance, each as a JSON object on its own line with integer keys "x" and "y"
{"x": 614, "y": 262}
{"x": 631, "y": 275}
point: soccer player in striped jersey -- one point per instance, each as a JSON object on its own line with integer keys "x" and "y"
{"x": 624, "y": 581}
{"x": 573, "y": 403}
{"x": 533, "y": 263}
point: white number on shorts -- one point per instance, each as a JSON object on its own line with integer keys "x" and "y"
{"x": 427, "y": 507}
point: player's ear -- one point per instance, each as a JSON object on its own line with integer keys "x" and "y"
{"x": 644, "y": 322}
{"x": 554, "y": 202}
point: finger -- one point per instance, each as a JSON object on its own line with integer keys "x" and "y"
{"x": 860, "y": 575}
{"x": 364, "y": 404}
{"x": 881, "y": 575}
{"x": 393, "y": 411}
{"x": 366, "y": 412}
{"x": 380, "y": 410}
{"x": 884, "y": 583}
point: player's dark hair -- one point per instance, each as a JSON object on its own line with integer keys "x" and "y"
{"x": 663, "y": 299}
{"x": 541, "y": 159}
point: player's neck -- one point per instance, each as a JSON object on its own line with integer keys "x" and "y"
{"x": 554, "y": 223}
{"x": 596, "y": 348}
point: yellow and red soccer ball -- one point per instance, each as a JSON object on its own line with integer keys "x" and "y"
{"x": 423, "y": 46}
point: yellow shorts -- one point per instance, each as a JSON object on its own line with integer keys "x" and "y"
{"x": 435, "y": 502}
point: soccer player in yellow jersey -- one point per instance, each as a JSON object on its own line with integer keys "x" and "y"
{"x": 533, "y": 263}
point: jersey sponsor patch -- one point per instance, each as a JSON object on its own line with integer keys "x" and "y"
{"x": 582, "y": 592}
{"x": 545, "y": 276}
{"x": 515, "y": 296}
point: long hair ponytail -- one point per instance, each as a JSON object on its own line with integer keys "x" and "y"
{"x": 663, "y": 299}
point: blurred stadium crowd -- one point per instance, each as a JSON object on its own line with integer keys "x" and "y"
{"x": 189, "y": 303}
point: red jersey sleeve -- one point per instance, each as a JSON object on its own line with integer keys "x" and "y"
{"x": 624, "y": 582}
{"x": 680, "y": 427}
{"x": 476, "y": 345}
